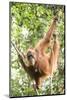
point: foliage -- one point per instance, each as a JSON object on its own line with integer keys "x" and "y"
{"x": 28, "y": 23}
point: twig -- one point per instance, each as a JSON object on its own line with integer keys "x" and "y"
{"x": 18, "y": 51}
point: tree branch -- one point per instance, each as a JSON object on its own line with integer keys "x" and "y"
{"x": 21, "y": 57}
{"x": 17, "y": 49}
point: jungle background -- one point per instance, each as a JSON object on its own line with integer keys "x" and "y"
{"x": 28, "y": 23}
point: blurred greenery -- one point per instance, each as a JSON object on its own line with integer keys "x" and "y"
{"x": 28, "y": 23}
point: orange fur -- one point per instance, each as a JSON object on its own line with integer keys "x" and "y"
{"x": 45, "y": 65}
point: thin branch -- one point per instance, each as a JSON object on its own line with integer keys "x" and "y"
{"x": 21, "y": 57}
{"x": 18, "y": 51}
